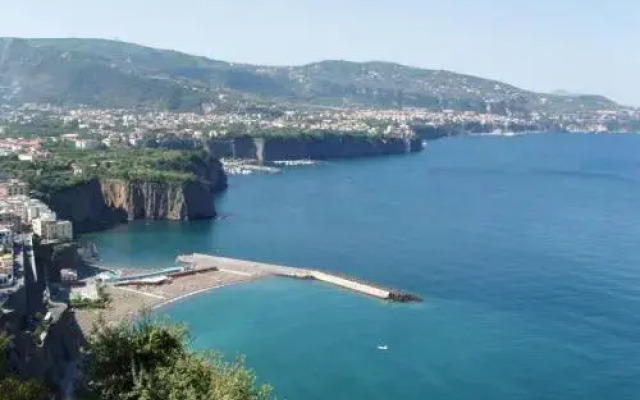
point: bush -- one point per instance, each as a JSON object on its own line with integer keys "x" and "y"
{"x": 150, "y": 360}
{"x": 89, "y": 303}
{"x": 13, "y": 388}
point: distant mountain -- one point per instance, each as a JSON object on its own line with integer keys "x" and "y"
{"x": 566, "y": 93}
{"x": 109, "y": 73}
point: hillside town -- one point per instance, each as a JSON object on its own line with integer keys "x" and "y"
{"x": 23, "y": 128}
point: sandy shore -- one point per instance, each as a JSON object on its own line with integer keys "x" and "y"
{"x": 128, "y": 301}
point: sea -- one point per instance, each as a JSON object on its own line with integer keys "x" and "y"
{"x": 526, "y": 250}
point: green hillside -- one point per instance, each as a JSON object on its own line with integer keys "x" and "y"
{"x": 109, "y": 73}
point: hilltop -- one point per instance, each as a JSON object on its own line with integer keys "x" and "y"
{"x": 106, "y": 73}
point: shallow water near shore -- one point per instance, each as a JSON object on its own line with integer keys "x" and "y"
{"x": 524, "y": 248}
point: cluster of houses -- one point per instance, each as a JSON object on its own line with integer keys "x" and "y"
{"x": 20, "y": 213}
{"x": 26, "y": 149}
{"x": 17, "y": 208}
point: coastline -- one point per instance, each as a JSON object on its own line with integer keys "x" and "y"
{"x": 133, "y": 294}
{"x": 128, "y": 302}
{"x": 192, "y": 294}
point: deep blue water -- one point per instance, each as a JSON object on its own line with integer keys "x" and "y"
{"x": 526, "y": 250}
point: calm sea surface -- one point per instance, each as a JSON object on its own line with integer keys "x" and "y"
{"x": 526, "y": 250}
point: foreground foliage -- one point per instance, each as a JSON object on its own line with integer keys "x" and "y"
{"x": 151, "y": 360}
{"x": 13, "y": 387}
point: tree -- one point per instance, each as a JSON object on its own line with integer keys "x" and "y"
{"x": 12, "y": 388}
{"x": 150, "y": 360}
{"x": 200, "y": 377}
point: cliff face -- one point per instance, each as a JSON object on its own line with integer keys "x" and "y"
{"x": 26, "y": 356}
{"x": 85, "y": 206}
{"x": 48, "y": 361}
{"x": 159, "y": 200}
{"x": 332, "y": 147}
{"x": 319, "y": 148}
{"x": 101, "y": 204}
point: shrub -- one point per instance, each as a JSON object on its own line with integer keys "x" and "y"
{"x": 150, "y": 360}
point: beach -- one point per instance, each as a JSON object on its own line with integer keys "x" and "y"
{"x": 127, "y": 302}
{"x": 133, "y": 293}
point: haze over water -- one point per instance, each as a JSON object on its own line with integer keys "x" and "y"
{"x": 524, "y": 248}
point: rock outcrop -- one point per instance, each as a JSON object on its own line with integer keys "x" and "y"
{"x": 46, "y": 361}
{"x": 85, "y": 206}
{"x": 159, "y": 200}
{"x": 99, "y": 204}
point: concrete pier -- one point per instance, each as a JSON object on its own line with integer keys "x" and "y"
{"x": 257, "y": 269}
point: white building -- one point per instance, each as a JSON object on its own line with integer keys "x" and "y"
{"x": 68, "y": 275}
{"x": 87, "y": 144}
{"x": 51, "y": 229}
{"x": 25, "y": 157}
{"x": 77, "y": 170}
{"x": 13, "y": 187}
{"x": 25, "y": 209}
{"x": 17, "y": 205}
{"x": 37, "y": 209}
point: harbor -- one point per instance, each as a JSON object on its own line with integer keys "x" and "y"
{"x": 131, "y": 292}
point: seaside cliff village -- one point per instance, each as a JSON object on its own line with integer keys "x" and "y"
{"x": 29, "y": 285}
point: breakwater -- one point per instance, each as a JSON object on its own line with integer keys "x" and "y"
{"x": 258, "y": 269}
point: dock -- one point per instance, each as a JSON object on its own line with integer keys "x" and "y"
{"x": 254, "y": 269}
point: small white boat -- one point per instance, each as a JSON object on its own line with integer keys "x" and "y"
{"x": 382, "y": 347}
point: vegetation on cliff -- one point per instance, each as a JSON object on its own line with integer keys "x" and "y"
{"x": 71, "y": 167}
{"x": 16, "y": 388}
{"x": 151, "y": 360}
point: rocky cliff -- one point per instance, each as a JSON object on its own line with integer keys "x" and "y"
{"x": 159, "y": 200}
{"x": 312, "y": 147}
{"x": 46, "y": 361}
{"x": 40, "y": 347}
{"x": 102, "y": 203}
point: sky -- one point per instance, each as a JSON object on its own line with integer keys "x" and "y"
{"x": 581, "y": 46}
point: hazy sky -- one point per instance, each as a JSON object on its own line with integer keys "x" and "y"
{"x": 587, "y": 46}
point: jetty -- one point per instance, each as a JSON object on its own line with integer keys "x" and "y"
{"x": 132, "y": 292}
{"x": 254, "y": 270}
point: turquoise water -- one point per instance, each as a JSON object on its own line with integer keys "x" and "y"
{"x": 525, "y": 249}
